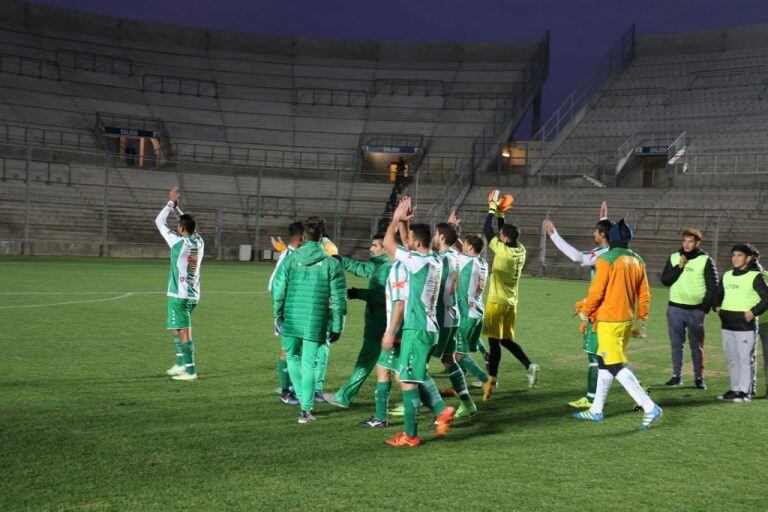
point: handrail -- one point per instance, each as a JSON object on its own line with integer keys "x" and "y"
{"x": 46, "y": 137}
{"x": 331, "y": 97}
{"x": 96, "y": 62}
{"x": 179, "y": 85}
{"x": 28, "y": 66}
{"x": 394, "y": 85}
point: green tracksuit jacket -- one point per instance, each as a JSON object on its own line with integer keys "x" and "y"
{"x": 376, "y": 270}
{"x": 301, "y": 290}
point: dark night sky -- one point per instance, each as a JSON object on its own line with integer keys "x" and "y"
{"x": 582, "y": 30}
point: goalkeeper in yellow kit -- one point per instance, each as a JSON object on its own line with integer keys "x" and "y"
{"x": 501, "y": 305}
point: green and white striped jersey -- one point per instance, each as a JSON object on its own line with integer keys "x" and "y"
{"x": 423, "y": 288}
{"x": 396, "y": 289}
{"x": 288, "y": 250}
{"x": 186, "y": 258}
{"x": 447, "y": 301}
{"x": 473, "y": 276}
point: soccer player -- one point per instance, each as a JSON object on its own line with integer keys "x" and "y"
{"x": 376, "y": 270}
{"x": 301, "y": 291}
{"x": 396, "y": 293}
{"x": 473, "y": 276}
{"x": 501, "y": 305}
{"x": 446, "y": 235}
{"x": 692, "y": 279}
{"x": 619, "y": 283}
{"x": 586, "y": 259}
{"x": 741, "y": 297}
{"x": 295, "y": 238}
{"x": 420, "y": 323}
{"x": 183, "y": 293}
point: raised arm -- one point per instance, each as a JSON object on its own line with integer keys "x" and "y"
{"x": 402, "y": 213}
{"x": 171, "y": 238}
{"x": 586, "y": 259}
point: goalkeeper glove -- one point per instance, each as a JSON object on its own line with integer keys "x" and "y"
{"x": 504, "y": 204}
{"x": 329, "y": 247}
{"x": 493, "y": 201}
{"x": 278, "y": 244}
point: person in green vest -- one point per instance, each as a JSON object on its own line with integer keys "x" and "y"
{"x": 763, "y": 333}
{"x": 741, "y": 297}
{"x": 376, "y": 270}
{"x": 691, "y": 277}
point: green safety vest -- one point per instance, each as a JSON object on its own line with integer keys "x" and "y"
{"x": 762, "y": 319}
{"x": 690, "y": 288}
{"x": 740, "y": 294}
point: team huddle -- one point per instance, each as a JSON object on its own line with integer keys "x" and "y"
{"x": 425, "y": 299}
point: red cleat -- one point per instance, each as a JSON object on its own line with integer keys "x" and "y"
{"x": 403, "y": 439}
{"x": 444, "y": 421}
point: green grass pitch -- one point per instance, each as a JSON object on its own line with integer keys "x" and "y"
{"x": 89, "y": 421}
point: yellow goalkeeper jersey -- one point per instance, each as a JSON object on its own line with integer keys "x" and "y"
{"x": 507, "y": 266}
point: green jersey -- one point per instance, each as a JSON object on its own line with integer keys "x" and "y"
{"x": 424, "y": 272}
{"x": 472, "y": 278}
{"x": 186, "y": 258}
{"x": 447, "y": 300}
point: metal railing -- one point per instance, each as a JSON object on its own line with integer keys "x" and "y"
{"x": 407, "y": 87}
{"x": 618, "y": 57}
{"x": 179, "y": 85}
{"x": 28, "y": 66}
{"x": 211, "y": 153}
{"x": 95, "y": 62}
{"x": 330, "y": 97}
{"x": 46, "y": 137}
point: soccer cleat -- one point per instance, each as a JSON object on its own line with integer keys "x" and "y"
{"x": 533, "y": 374}
{"x": 674, "y": 381}
{"x": 374, "y": 423}
{"x": 331, "y": 399}
{"x": 319, "y": 398}
{"x": 448, "y": 393}
{"x": 728, "y": 396}
{"x": 465, "y": 411}
{"x": 402, "y": 439}
{"x": 488, "y": 388}
{"x": 175, "y": 370}
{"x": 444, "y": 420}
{"x": 397, "y": 410}
{"x": 742, "y": 397}
{"x": 305, "y": 418}
{"x": 289, "y": 398}
{"x": 581, "y": 403}
{"x": 279, "y": 391}
{"x": 587, "y": 416}
{"x": 185, "y": 376}
{"x": 699, "y": 383}
{"x": 650, "y": 418}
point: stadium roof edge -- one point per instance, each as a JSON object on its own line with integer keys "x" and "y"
{"x": 44, "y": 17}
{"x": 740, "y": 37}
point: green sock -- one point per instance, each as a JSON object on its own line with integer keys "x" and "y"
{"x": 470, "y": 366}
{"x": 282, "y": 374}
{"x": 430, "y": 395}
{"x": 592, "y": 378}
{"x": 381, "y": 397}
{"x": 459, "y": 383}
{"x": 411, "y": 402}
{"x": 188, "y": 350}
{"x": 177, "y": 347}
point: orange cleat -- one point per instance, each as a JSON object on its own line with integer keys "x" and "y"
{"x": 488, "y": 388}
{"x": 403, "y": 439}
{"x": 444, "y": 421}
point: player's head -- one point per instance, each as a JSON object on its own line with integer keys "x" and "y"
{"x": 377, "y": 244}
{"x": 620, "y": 234}
{"x": 314, "y": 229}
{"x": 419, "y": 236}
{"x": 473, "y": 245}
{"x": 742, "y": 255}
{"x": 509, "y": 233}
{"x": 601, "y": 230}
{"x": 186, "y": 225}
{"x": 446, "y": 235}
{"x": 296, "y": 234}
{"x": 691, "y": 239}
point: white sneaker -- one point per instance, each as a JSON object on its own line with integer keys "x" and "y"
{"x": 533, "y": 375}
{"x": 185, "y": 376}
{"x": 175, "y": 370}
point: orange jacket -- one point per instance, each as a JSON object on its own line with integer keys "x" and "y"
{"x": 619, "y": 283}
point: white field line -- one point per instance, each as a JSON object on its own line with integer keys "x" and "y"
{"x": 26, "y": 306}
{"x": 132, "y": 293}
{"x": 88, "y": 301}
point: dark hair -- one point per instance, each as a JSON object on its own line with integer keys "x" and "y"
{"x": 422, "y": 233}
{"x": 449, "y": 232}
{"x": 314, "y": 229}
{"x": 748, "y": 249}
{"x": 695, "y": 233}
{"x": 475, "y": 242}
{"x": 511, "y": 231}
{"x": 296, "y": 229}
{"x": 378, "y": 236}
{"x": 187, "y": 222}
{"x": 603, "y": 226}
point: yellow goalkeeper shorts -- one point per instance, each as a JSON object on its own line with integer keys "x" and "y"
{"x": 612, "y": 340}
{"x": 499, "y": 321}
